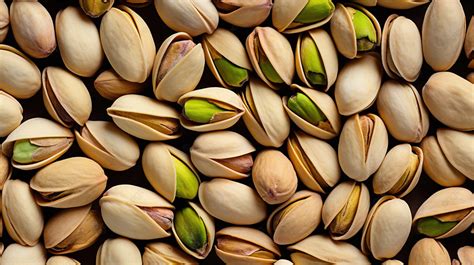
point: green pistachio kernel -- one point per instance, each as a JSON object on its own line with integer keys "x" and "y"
{"x": 312, "y": 63}
{"x": 201, "y": 110}
{"x": 232, "y": 74}
{"x": 187, "y": 183}
{"x": 304, "y": 107}
{"x": 433, "y": 227}
{"x": 365, "y": 30}
{"x": 314, "y": 11}
{"x": 190, "y": 229}
{"x": 23, "y": 151}
{"x": 266, "y": 66}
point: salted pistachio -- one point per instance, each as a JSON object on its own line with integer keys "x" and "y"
{"x": 4, "y": 20}
{"x": 65, "y": 97}
{"x": 232, "y": 202}
{"x": 321, "y": 249}
{"x": 387, "y": 228}
{"x": 111, "y": 86}
{"x": 127, "y": 43}
{"x": 345, "y": 209}
{"x": 5, "y": 172}
{"x": 226, "y": 58}
{"x": 465, "y": 254}
{"x": 109, "y": 146}
{"x": 264, "y": 116}
{"x": 468, "y": 43}
{"x": 178, "y": 67}
{"x": 194, "y": 230}
{"x": 36, "y": 143}
{"x": 22, "y": 217}
{"x": 403, "y": 112}
{"x": 19, "y": 76}
{"x": 170, "y": 172}
{"x": 223, "y": 154}
{"x": 17, "y": 254}
{"x": 136, "y": 213}
{"x": 429, "y": 251}
{"x": 362, "y": 146}
{"x": 96, "y": 8}
{"x": 80, "y": 48}
{"x": 194, "y": 17}
{"x": 244, "y": 245}
{"x": 295, "y": 219}
{"x": 165, "y": 254}
{"x": 210, "y": 109}
{"x": 145, "y": 118}
{"x": 446, "y": 213}
{"x": 398, "y": 4}
{"x": 271, "y": 56}
{"x": 62, "y": 260}
{"x": 448, "y": 97}
{"x": 358, "y": 84}
{"x": 120, "y": 251}
{"x": 243, "y": 13}
{"x": 11, "y": 114}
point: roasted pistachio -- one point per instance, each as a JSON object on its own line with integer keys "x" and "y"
{"x": 243, "y": 13}
{"x": 120, "y": 251}
{"x": 11, "y": 114}
{"x": 96, "y": 8}
{"x": 164, "y": 253}
{"x": 111, "y": 86}
{"x": 17, "y": 254}
{"x": 429, "y": 251}
{"x": 62, "y": 260}
{"x": 4, "y": 20}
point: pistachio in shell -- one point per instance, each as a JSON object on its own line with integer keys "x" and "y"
{"x": 120, "y": 251}
{"x": 111, "y": 86}
{"x": 392, "y": 262}
{"x": 5, "y": 171}
{"x": 468, "y": 43}
{"x": 62, "y": 260}
{"x": 465, "y": 254}
{"x": 4, "y": 21}
{"x": 19, "y": 254}
{"x": 243, "y": 13}
{"x": 11, "y": 114}
{"x": 429, "y": 251}
{"x": 96, "y": 8}
{"x": 164, "y": 253}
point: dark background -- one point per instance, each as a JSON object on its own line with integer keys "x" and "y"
{"x": 34, "y": 107}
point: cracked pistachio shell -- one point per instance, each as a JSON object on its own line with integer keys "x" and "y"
{"x": 468, "y": 43}
{"x": 233, "y": 243}
{"x": 5, "y": 172}
{"x": 130, "y": 210}
{"x": 127, "y": 43}
{"x": 449, "y": 98}
{"x": 266, "y": 42}
{"x": 358, "y": 84}
{"x": 65, "y": 97}
{"x": 145, "y": 118}
{"x": 210, "y": 152}
{"x": 321, "y": 248}
{"x": 466, "y": 254}
{"x": 429, "y": 251}
{"x": 22, "y": 217}
{"x": 387, "y": 228}
{"x": 11, "y": 114}
{"x": 160, "y": 253}
{"x": 264, "y": 116}
{"x": 73, "y": 229}
{"x": 17, "y": 254}
{"x": 443, "y": 31}
{"x": 295, "y": 219}
{"x": 445, "y": 201}
{"x": 403, "y": 111}
{"x": 96, "y": 8}
{"x": 111, "y": 85}
{"x": 194, "y": 17}
{"x": 184, "y": 74}
{"x": 37, "y": 129}
{"x": 80, "y": 48}
{"x": 4, "y": 20}
{"x": 62, "y": 260}
{"x": 120, "y": 251}
{"x": 338, "y": 202}
{"x": 19, "y": 76}
{"x": 362, "y": 146}
{"x": 71, "y": 182}
{"x": 232, "y": 202}
{"x": 402, "y": 56}
{"x": 243, "y": 13}
{"x": 109, "y": 146}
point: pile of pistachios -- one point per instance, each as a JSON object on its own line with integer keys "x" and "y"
{"x": 302, "y": 153}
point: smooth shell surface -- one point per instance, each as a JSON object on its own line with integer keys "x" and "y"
{"x": 11, "y": 114}
{"x": 429, "y": 251}
{"x": 120, "y": 251}
{"x": 17, "y": 254}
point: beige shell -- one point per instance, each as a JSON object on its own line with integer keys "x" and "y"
{"x": 109, "y": 146}
{"x": 62, "y": 260}
{"x": 466, "y": 254}
{"x": 33, "y": 28}
{"x": 144, "y": 108}
{"x": 182, "y": 77}
{"x": 264, "y": 116}
{"x": 111, "y": 86}
{"x": 80, "y": 48}
{"x": 448, "y": 97}
{"x": 17, "y": 254}
{"x": 297, "y": 222}
{"x": 429, "y": 251}
{"x": 11, "y": 114}
{"x": 402, "y": 55}
{"x": 5, "y": 20}
{"x": 470, "y": 77}
{"x": 5, "y": 173}
{"x": 358, "y": 84}
{"x": 159, "y": 253}
{"x": 457, "y": 148}
{"x": 393, "y": 4}
{"x": 209, "y": 148}
{"x": 19, "y": 76}
{"x": 192, "y": 16}
{"x": 217, "y": 94}
{"x": 392, "y": 262}
{"x": 232, "y": 202}
{"x": 36, "y": 128}
{"x": 248, "y": 14}
{"x": 468, "y": 43}
{"x": 328, "y": 54}
{"x": 325, "y": 104}
{"x": 283, "y": 262}
{"x": 335, "y": 203}
{"x": 65, "y": 97}
{"x": 127, "y": 43}
{"x": 120, "y": 251}
{"x": 22, "y": 216}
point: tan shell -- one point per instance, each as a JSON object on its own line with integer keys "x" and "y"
{"x": 212, "y": 146}
{"x": 18, "y": 254}
{"x": 62, "y": 260}
{"x": 470, "y": 77}
{"x": 181, "y": 78}
{"x": 468, "y": 43}
{"x": 466, "y": 254}
{"x": 159, "y": 253}
{"x": 429, "y": 251}
{"x": 217, "y": 94}
{"x": 5, "y": 20}
{"x": 120, "y": 251}
{"x": 457, "y": 147}
{"x": 11, "y": 114}
{"x": 109, "y": 146}
{"x": 64, "y": 94}
{"x": 248, "y": 15}
{"x": 127, "y": 43}
{"x": 232, "y": 202}
{"x": 358, "y": 84}
{"x": 111, "y": 86}
{"x": 5, "y": 173}
{"x": 448, "y": 97}
{"x": 142, "y": 106}
{"x": 19, "y": 76}
{"x": 328, "y": 54}
{"x": 336, "y": 201}
{"x": 402, "y": 55}
{"x": 392, "y": 262}
{"x": 80, "y": 48}
{"x": 283, "y": 262}
{"x": 401, "y": 4}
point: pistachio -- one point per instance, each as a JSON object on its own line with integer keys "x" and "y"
{"x": 306, "y": 109}
{"x": 470, "y": 77}
{"x": 164, "y": 253}
{"x": 4, "y": 20}
{"x": 392, "y": 262}
{"x": 429, "y": 251}
{"x": 312, "y": 63}
{"x": 62, "y": 260}
{"x": 243, "y": 13}
{"x": 120, "y": 251}
{"x": 17, "y": 254}
{"x": 465, "y": 254}
{"x": 111, "y": 86}
{"x": 32, "y": 151}
{"x": 11, "y": 114}
{"x": 96, "y": 8}
{"x": 283, "y": 262}
{"x": 175, "y": 53}
{"x": 5, "y": 171}
{"x": 204, "y": 111}
{"x": 468, "y": 44}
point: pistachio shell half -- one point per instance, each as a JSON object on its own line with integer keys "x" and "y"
{"x": 96, "y": 8}
{"x": 468, "y": 43}
{"x": 111, "y": 86}
{"x": 4, "y": 20}
{"x": 11, "y": 114}
{"x": 243, "y": 13}
{"x": 62, "y": 260}
{"x": 120, "y": 251}
{"x": 17, "y": 254}
{"x": 429, "y": 251}
{"x": 165, "y": 254}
